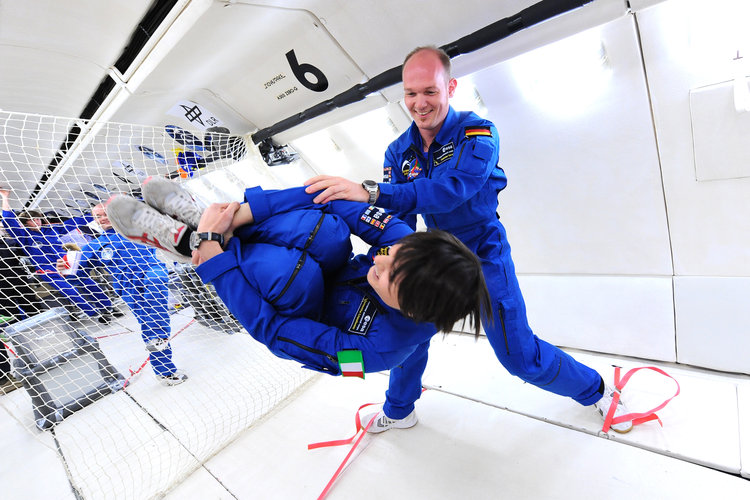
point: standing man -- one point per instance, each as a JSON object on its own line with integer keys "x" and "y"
{"x": 141, "y": 280}
{"x": 445, "y": 167}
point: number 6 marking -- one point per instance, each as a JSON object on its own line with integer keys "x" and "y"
{"x": 301, "y": 70}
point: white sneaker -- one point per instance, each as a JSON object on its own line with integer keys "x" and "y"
{"x": 383, "y": 423}
{"x": 171, "y": 199}
{"x": 175, "y": 378}
{"x": 157, "y": 345}
{"x": 603, "y": 407}
{"x": 142, "y": 224}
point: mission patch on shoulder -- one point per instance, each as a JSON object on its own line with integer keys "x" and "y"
{"x": 376, "y": 217}
{"x": 475, "y": 131}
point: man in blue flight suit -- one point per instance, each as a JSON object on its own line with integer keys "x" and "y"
{"x": 445, "y": 167}
{"x": 283, "y": 268}
{"x": 43, "y": 245}
{"x": 141, "y": 280}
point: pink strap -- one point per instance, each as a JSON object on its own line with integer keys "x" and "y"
{"x": 636, "y": 418}
{"x": 344, "y": 441}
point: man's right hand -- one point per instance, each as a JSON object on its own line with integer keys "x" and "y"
{"x": 335, "y": 188}
{"x": 61, "y": 266}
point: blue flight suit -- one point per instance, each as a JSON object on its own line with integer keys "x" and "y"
{"x": 44, "y": 248}
{"x": 455, "y": 186}
{"x": 291, "y": 281}
{"x": 141, "y": 280}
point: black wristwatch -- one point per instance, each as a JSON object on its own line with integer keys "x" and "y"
{"x": 372, "y": 189}
{"x": 196, "y": 238}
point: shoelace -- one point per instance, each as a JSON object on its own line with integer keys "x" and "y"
{"x": 161, "y": 227}
{"x": 183, "y": 204}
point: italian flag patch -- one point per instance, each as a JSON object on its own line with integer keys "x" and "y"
{"x": 351, "y": 363}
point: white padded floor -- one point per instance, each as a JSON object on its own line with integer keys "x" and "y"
{"x": 482, "y": 434}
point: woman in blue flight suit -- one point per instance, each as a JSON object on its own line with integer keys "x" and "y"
{"x": 43, "y": 245}
{"x": 290, "y": 313}
{"x": 288, "y": 276}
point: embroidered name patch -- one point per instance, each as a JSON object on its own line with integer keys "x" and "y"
{"x": 376, "y": 217}
{"x": 477, "y": 131}
{"x": 443, "y": 154}
{"x": 364, "y": 317}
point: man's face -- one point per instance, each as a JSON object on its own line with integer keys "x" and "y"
{"x": 379, "y": 277}
{"x": 426, "y": 91}
{"x": 100, "y": 216}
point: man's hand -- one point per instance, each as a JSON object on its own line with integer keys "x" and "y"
{"x": 217, "y": 218}
{"x": 61, "y": 266}
{"x": 335, "y": 188}
{"x": 5, "y": 195}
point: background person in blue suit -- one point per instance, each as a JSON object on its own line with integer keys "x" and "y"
{"x": 445, "y": 167}
{"x": 141, "y": 280}
{"x": 42, "y": 243}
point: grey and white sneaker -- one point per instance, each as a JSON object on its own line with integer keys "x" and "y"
{"x": 383, "y": 423}
{"x": 603, "y": 405}
{"x": 175, "y": 378}
{"x": 171, "y": 199}
{"x": 157, "y": 345}
{"x": 142, "y": 224}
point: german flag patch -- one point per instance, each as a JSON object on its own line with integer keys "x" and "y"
{"x": 477, "y": 131}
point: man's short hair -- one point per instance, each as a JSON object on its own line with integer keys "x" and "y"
{"x": 445, "y": 59}
{"x": 440, "y": 281}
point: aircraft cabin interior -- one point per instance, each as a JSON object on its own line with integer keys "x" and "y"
{"x": 623, "y": 131}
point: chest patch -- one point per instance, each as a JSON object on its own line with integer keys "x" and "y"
{"x": 364, "y": 317}
{"x": 411, "y": 168}
{"x": 443, "y": 154}
{"x": 107, "y": 253}
{"x": 375, "y": 217}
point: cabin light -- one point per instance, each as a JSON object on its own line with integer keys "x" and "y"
{"x": 339, "y": 148}
{"x": 320, "y": 151}
{"x": 467, "y": 97}
{"x": 566, "y": 77}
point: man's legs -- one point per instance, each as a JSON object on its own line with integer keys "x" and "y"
{"x": 151, "y": 310}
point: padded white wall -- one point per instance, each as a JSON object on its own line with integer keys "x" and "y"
{"x": 688, "y": 46}
{"x": 584, "y": 207}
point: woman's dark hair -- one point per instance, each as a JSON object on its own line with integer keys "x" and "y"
{"x": 440, "y": 281}
{"x": 25, "y": 216}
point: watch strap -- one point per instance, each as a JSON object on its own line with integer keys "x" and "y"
{"x": 196, "y": 238}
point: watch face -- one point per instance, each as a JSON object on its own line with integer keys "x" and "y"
{"x": 194, "y": 240}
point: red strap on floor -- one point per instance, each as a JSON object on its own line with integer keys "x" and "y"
{"x": 636, "y": 418}
{"x": 340, "y": 442}
{"x": 359, "y": 426}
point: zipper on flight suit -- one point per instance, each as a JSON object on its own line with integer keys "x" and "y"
{"x": 429, "y": 174}
{"x": 309, "y": 349}
{"x": 301, "y": 260}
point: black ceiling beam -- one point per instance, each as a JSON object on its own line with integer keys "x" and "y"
{"x": 138, "y": 39}
{"x": 535, "y": 14}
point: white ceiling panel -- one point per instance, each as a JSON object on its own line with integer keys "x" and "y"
{"x": 53, "y": 54}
